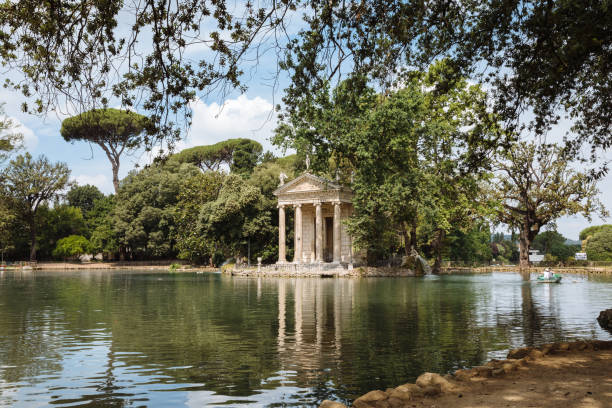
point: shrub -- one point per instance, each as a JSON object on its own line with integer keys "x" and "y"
{"x": 72, "y": 246}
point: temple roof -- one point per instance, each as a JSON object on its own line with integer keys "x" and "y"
{"x": 308, "y": 182}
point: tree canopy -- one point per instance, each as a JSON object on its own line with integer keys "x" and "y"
{"x": 592, "y": 230}
{"x": 84, "y": 197}
{"x": 114, "y": 130}
{"x": 549, "y": 58}
{"x": 240, "y": 155}
{"x": 536, "y": 185}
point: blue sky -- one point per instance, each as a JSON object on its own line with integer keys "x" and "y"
{"x": 248, "y": 115}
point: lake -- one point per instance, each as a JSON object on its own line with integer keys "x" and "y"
{"x": 119, "y": 338}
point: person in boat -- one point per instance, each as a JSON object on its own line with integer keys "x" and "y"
{"x": 547, "y": 274}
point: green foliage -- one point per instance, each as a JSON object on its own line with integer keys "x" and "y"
{"x": 193, "y": 193}
{"x": 504, "y": 251}
{"x": 72, "y": 246}
{"x": 84, "y": 197}
{"x": 28, "y": 184}
{"x": 470, "y": 247}
{"x": 599, "y": 245}
{"x": 8, "y": 224}
{"x": 235, "y": 218}
{"x": 592, "y": 230}
{"x": 240, "y": 155}
{"x": 55, "y": 223}
{"x": 174, "y": 267}
{"x": 105, "y": 126}
{"x": 143, "y": 217}
{"x": 541, "y": 57}
{"x": 552, "y": 243}
{"x": 113, "y": 130}
{"x": 104, "y": 239}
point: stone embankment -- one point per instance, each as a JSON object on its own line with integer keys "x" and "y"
{"x": 563, "y": 374}
{"x": 578, "y": 270}
{"x": 323, "y": 271}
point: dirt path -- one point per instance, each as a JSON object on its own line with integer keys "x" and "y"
{"x": 564, "y": 375}
{"x": 578, "y": 379}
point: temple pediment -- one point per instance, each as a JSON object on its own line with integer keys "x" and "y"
{"x": 307, "y": 183}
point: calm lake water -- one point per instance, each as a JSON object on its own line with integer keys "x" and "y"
{"x": 101, "y": 338}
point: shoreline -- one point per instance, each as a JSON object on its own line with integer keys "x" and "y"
{"x": 569, "y": 373}
{"x": 290, "y": 270}
{"x": 579, "y": 270}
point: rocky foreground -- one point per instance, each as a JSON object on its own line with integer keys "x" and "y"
{"x": 577, "y": 374}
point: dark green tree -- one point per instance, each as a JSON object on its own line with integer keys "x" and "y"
{"x": 194, "y": 192}
{"x": 30, "y": 183}
{"x": 114, "y": 130}
{"x": 550, "y": 58}
{"x": 235, "y": 218}
{"x": 55, "y": 223}
{"x": 84, "y": 197}
{"x": 143, "y": 219}
{"x": 553, "y": 243}
{"x": 470, "y": 246}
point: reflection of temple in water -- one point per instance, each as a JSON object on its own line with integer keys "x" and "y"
{"x": 311, "y": 313}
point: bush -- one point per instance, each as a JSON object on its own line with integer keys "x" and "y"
{"x": 72, "y": 246}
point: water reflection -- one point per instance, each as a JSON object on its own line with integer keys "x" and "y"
{"x": 131, "y": 339}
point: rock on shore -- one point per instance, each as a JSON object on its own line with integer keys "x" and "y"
{"x": 605, "y": 320}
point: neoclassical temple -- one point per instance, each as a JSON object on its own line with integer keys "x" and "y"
{"x": 320, "y": 205}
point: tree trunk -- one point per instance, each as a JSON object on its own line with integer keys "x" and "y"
{"x": 437, "y": 248}
{"x": 524, "y": 245}
{"x": 413, "y": 234}
{"x": 33, "y": 240}
{"x": 406, "y": 240}
{"x": 529, "y": 230}
{"x": 115, "y": 167}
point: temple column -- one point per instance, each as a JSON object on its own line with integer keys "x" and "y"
{"x": 313, "y": 240}
{"x": 337, "y": 237}
{"x": 282, "y": 238}
{"x": 319, "y": 232}
{"x": 297, "y": 258}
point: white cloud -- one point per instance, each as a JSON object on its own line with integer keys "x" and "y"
{"x": 99, "y": 180}
{"x": 30, "y": 140}
{"x": 241, "y": 117}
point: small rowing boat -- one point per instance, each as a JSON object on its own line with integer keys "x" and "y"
{"x": 553, "y": 279}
